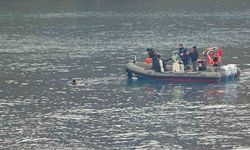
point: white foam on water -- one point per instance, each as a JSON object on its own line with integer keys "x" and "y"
{"x": 218, "y": 107}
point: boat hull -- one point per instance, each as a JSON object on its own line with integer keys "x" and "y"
{"x": 143, "y": 71}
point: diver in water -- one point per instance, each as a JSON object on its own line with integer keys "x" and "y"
{"x": 74, "y": 82}
{"x": 78, "y": 82}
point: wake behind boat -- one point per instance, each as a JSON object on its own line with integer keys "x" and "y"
{"x": 207, "y": 71}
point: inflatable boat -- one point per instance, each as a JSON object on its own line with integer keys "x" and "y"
{"x": 177, "y": 73}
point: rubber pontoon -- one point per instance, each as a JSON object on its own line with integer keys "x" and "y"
{"x": 143, "y": 70}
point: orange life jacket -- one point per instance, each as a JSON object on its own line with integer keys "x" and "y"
{"x": 214, "y": 57}
{"x": 148, "y": 60}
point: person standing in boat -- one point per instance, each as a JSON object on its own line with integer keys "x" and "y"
{"x": 150, "y": 52}
{"x": 155, "y": 61}
{"x": 183, "y": 54}
{"x": 193, "y": 56}
{"x": 160, "y": 66}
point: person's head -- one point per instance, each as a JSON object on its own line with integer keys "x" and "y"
{"x": 74, "y": 81}
{"x": 180, "y": 45}
{"x": 149, "y": 50}
{"x": 194, "y": 48}
{"x": 159, "y": 56}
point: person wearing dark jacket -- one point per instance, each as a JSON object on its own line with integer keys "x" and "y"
{"x": 150, "y": 52}
{"x": 183, "y": 55}
{"x": 194, "y": 57}
{"x": 154, "y": 61}
{"x": 181, "y": 48}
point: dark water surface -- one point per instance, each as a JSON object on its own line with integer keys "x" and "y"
{"x": 45, "y": 44}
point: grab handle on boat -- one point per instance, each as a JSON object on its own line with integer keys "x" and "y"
{"x": 134, "y": 59}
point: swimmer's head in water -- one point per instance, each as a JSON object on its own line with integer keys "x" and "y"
{"x": 74, "y": 81}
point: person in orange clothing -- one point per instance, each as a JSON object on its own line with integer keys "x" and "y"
{"x": 214, "y": 56}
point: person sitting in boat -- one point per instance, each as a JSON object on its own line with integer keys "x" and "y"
{"x": 183, "y": 54}
{"x": 193, "y": 56}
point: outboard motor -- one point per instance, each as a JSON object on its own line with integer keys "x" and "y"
{"x": 238, "y": 73}
{"x": 234, "y": 70}
{"x": 229, "y": 71}
{"x": 226, "y": 71}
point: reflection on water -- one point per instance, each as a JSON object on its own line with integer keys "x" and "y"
{"x": 225, "y": 91}
{"x": 46, "y": 44}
